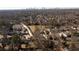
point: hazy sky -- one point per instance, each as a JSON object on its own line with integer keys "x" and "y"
{"x": 23, "y": 4}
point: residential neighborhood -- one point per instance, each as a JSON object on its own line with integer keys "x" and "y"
{"x": 39, "y": 30}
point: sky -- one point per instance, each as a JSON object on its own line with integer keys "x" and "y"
{"x": 25, "y": 4}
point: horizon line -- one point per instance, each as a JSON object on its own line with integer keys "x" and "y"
{"x": 38, "y": 8}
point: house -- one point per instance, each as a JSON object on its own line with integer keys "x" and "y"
{"x": 1, "y": 36}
